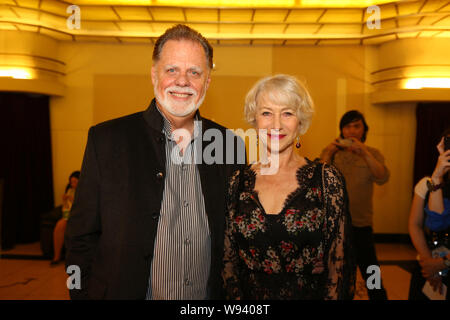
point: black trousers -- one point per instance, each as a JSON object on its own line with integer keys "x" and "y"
{"x": 364, "y": 245}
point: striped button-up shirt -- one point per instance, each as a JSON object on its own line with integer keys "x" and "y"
{"x": 182, "y": 256}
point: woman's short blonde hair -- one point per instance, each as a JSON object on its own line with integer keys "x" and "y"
{"x": 284, "y": 90}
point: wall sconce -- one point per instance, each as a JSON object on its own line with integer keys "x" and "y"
{"x": 420, "y": 83}
{"x": 15, "y": 73}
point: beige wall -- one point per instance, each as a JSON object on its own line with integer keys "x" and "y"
{"x": 104, "y": 81}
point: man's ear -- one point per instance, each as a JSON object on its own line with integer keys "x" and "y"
{"x": 208, "y": 80}
{"x": 153, "y": 74}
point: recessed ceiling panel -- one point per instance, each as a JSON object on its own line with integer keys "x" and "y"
{"x": 443, "y": 34}
{"x": 262, "y": 15}
{"x": 167, "y": 14}
{"x": 230, "y": 15}
{"x": 200, "y": 15}
{"x": 97, "y": 13}
{"x": 55, "y": 7}
{"x": 408, "y": 22}
{"x": 433, "y": 6}
{"x": 6, "y": 12}
{"x": 443, "y": 22}
{"x": 304, "y": 16}
{"x": 28, "y": 3}
{"x": 133, "y": 13}
{"x": 333, "y": 29}
{"x": 160, "y": 28}
{"x": 235, "y": 28}
{"x": 342, "y": 16}
{"x": 268, "y": 29}
{"x": 144, "y": 27}
{"x": 99, "y": 26}
{"x": 205, "y": 28}
{"x": 26, "y": 13}
{"x": 302, "y": 28}
{"x": 408, "y": 8}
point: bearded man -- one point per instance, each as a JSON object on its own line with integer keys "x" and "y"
{"x": 148, "y": 217}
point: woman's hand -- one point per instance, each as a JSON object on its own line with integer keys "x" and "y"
{"x": 443, "y": 163}
{"x": 431, "y": 267}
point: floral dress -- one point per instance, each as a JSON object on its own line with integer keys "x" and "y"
{"x": 301, "y": 253}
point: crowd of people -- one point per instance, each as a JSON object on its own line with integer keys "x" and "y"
{"x": 144, "y": 225}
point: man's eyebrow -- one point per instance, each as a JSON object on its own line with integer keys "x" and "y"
{"x": 194, "y": 68}
{"x": 170, "y": 66}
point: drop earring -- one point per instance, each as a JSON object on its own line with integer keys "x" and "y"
{"x": 298, "y": 145}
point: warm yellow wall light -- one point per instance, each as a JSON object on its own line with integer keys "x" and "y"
{"x": 419, "y": 83}
{"x": 15, "y": 73}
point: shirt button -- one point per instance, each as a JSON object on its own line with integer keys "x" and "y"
{"x": 187, "y": 242}
{"x": 185, "y": 203}
{"x": 159, "y": 175}
{"x": 187, "y": 282}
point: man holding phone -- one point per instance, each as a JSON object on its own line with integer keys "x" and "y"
{"x": 361, "y": 166}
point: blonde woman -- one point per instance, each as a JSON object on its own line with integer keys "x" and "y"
{"x": 287, "y": 233}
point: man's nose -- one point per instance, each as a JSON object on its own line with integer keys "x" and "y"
{"x": 182, "y": 80}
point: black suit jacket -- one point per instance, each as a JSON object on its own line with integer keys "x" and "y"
{"x": 112, "y": 227}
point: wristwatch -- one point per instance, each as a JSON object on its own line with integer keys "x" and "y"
{"x": 433, "y": 187}
{"x": 446, "y": 261}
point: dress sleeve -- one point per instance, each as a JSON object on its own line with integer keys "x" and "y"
{"x": 338, "y": 254}
{"x": 230, "y": 271}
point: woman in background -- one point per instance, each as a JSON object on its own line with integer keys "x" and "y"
{"x": 287, "y": 231}
{"x": 60, "y": 227}
{"x": 429, "y": 227}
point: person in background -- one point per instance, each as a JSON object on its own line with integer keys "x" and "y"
{"x": 60, "y": 227}
{"x": 429, "y": 226}
{"x": 288, "y": 230}
{"x": 362, "y": 166}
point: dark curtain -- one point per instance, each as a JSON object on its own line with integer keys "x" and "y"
{"x": 432, "y": 120}
{"x": 25, "y": 166}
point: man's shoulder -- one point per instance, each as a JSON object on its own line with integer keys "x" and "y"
{"x": 121, "y": 123}
{"x": 209, "y": 124}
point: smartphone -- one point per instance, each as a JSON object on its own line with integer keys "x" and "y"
{"x": 346, "y": 142}
{"x": 446, "y": 143}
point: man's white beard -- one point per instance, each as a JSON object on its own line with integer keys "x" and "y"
{"x": 168, "y": 105}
